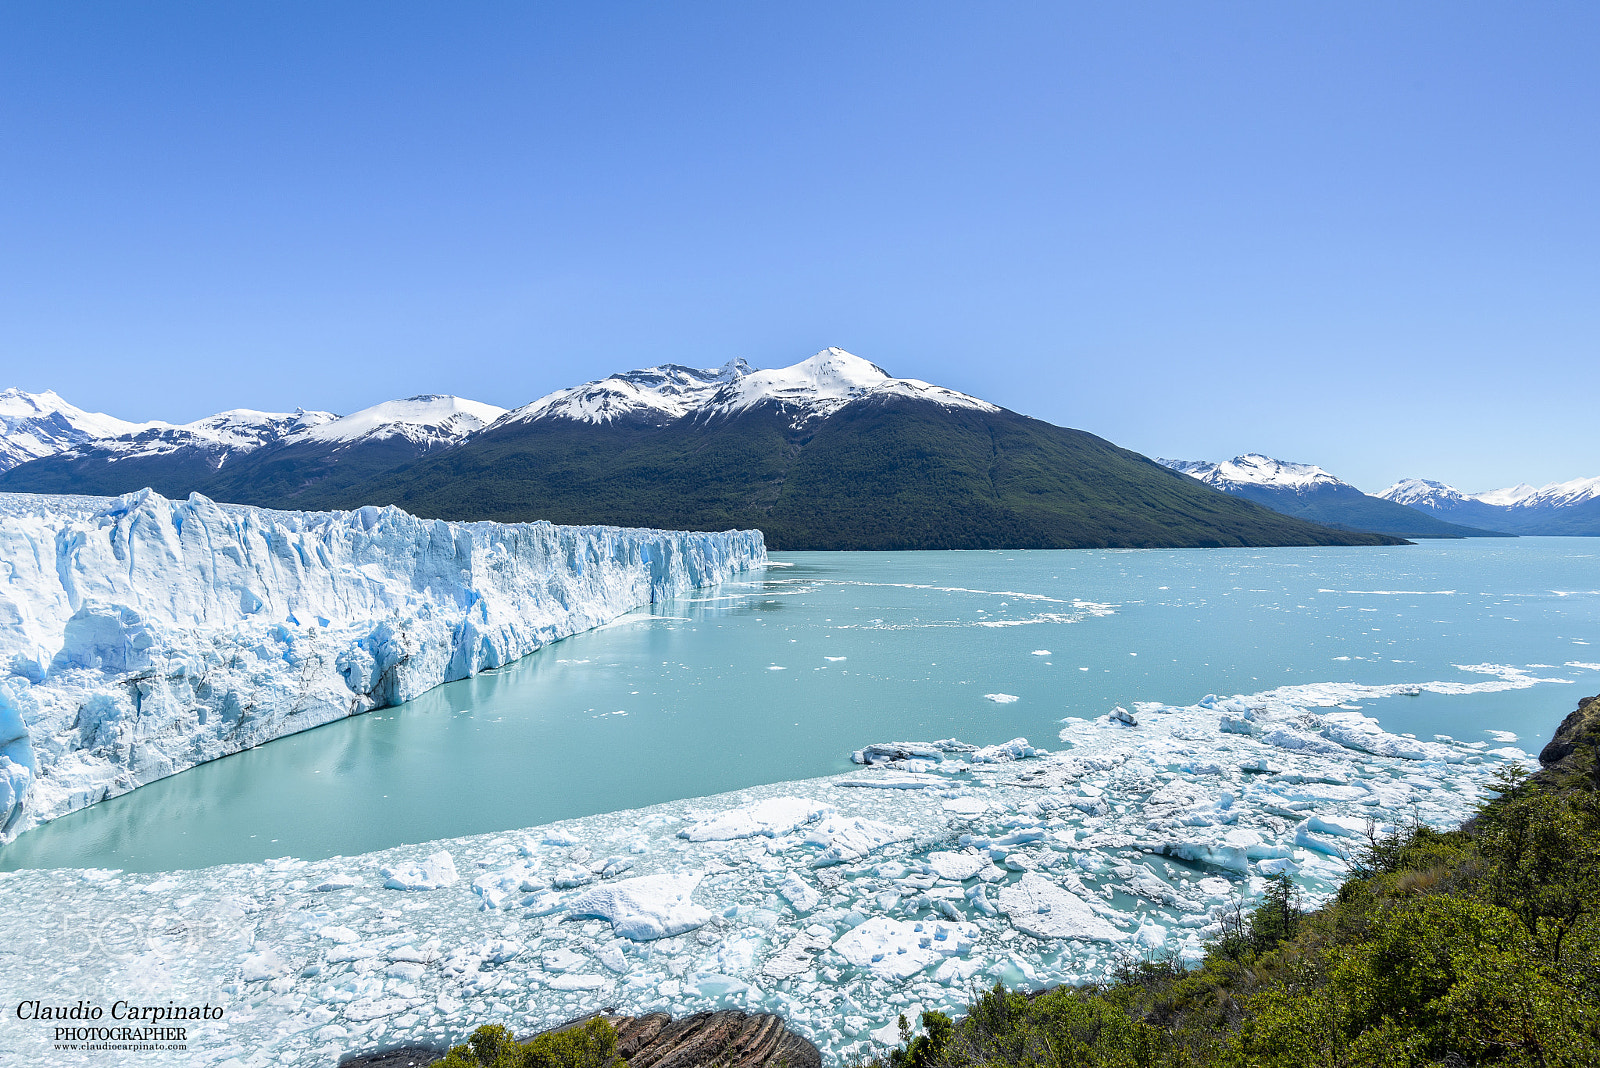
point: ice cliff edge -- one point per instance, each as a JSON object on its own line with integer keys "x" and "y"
{"x": 141, "y": 636}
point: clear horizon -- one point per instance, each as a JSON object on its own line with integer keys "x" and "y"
{"x": 1359, "y": 237}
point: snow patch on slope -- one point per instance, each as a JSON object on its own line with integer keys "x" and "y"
{"x": 33, "y": 425}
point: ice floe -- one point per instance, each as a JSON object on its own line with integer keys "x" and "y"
{"x": 838, "y": 907}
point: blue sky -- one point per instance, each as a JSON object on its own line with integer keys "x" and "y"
{"x": 1362, "y": 235}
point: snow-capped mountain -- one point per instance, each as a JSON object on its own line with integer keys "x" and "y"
{"x": 1566, "y": 508}
{"x": 42, "y": 424}
{"x": 832, "y": 452}
{"x": 220, "y": 437}
{"x": 428, "y": 420}
{"x": 654, "y": 395}
{"x": 809, "y": 390}
{"x": 1308, "y": 492}
{"x": 1254, "y": 469}
{"x": 1425, "y": 493}
{"x": 241, "y": 454}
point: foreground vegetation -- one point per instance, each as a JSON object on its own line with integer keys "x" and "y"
{"x": 592, "y": 1045}
{"x": 1472, "y": 947}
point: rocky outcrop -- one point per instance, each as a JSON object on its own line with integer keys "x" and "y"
{"x": 1573, "y": 748}
{"x": 725, "y": 1039}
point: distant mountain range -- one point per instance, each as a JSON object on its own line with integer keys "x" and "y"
{"x": 1566, "y": 508}
{"x": 1415, "y": 508}
{"x": 1309, "y": 492}
{"x": 831, "y": 453}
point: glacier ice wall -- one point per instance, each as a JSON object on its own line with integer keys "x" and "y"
{"x": 141, "y": 636}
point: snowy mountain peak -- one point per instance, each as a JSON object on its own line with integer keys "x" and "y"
{"x": 814, "y": 387}
{"x": 1415, "y": 491}
{"x": 1561, "y": 494}
{"x": 42, "y": 424}
{"x": 1412, "y": 491}
{"x": 826, "y": 382}
{"x": 428, "y": 419}
{"x": 1255, "y": 469}
{"x": 1507, "y": 496}
{"x": 219, "y": 436}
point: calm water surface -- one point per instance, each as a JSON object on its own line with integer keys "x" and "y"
{"x": 781, "y": 674}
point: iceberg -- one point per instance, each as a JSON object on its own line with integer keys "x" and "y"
{"x": 646, "y": 908}
{"x": 141, "y": 636}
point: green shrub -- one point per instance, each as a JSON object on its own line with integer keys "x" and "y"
{"x": 593, "y": 1045}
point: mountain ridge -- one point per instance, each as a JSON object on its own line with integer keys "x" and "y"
{"x": 1309, "y": 492}
{"x": 832, "y": 452}
{"x": 1569, "y": 508}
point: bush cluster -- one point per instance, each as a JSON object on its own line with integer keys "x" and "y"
{"x": 1471, "y": 947}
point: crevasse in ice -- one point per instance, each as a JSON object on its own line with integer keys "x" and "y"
{"x": 141, "y": 636}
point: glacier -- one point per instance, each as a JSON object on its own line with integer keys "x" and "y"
{"x": 141, "y": 636}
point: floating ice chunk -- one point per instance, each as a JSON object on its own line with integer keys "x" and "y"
{"x": 1001, "y": 698}
{"x": 1150, "y": 936}
{"x": 1356, "y": 731}
{"x": 897, "y": 949}
{"x": 563, "y": 960}
{"x": 611, "y": 867}
{"x": 799, "y": 893}
{"x": 267, "y": 964}
{"x": 376, "y": 1008}
{"x": 569, "y": 876}
{"x": 578, "y": 982}
{"x": 956, "y": 971}
{"x": 1233, "y": 849}
{"x": 612, "y": 957}
{"x": 1294, "y": 741}
{"x": 340, "y": 935}
{"x": 1039, "y": 907}
{"x": 798, "y": 955}
{"x": 1327, "y": 845}
{"x": 771, "y": 817}
{"x": 1041, "y": 652}
{"x": 560, "y": 836}
{"x": 1338, "y": 826}
{"x": 337, "y": 882}
{"x": 648, "y": 907}
{"x": 544, "y": 902}
{"x": 1004, "y": 753}
{"x": 432, "y": 873}
{"x": 1123, "y": 716}
{"x": 967, "y": 806}
{"x": 851, "y": 838}
{"x": 885, "y": 752}
{"x": 956, "y": 867}
{"x": 498, "y": 889}
{"x": 500, "y": 950}
{"x": 890, "y": 780}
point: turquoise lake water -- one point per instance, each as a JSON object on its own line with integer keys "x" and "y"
{"x": 780, "y": 674}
